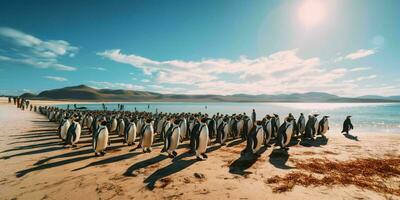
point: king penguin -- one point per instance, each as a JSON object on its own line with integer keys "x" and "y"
{"x": 74, "y": 133}
{"x": 130, "y": 134}
{"x": 255, "y": 138}
{"x": 172, "y": 137}
{"x": 147, "y": 136}
{"x": 201, "y": 140}
{"x": 100, "y": 139}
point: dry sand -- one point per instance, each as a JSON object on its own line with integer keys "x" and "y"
{"x": 34, "y": 165}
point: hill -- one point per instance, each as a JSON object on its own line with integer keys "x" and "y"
{"x": 86, "y": 93}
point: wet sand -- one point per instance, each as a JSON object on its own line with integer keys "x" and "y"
{"x": 34, "y": 165}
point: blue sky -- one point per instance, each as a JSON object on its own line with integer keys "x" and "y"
{"x": 348, "y": 48}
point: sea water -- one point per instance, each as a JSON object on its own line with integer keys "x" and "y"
{"x": 366, "y": 117}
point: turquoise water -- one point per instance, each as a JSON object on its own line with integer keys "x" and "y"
{"x": 367, "y": 117}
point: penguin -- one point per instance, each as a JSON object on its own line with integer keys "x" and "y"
{"x": 240, "y": 127}
{"x": 114, "y": 124}
{"x": 89, "y": 120}
{"x": 274, "y": 128}
{"x": 316, "y": 124}
{"x": 323, "y": 126}
{"x": 51, "y": 116}
{"x": 347, "y": 125}
{"x": 212, "y": 128}
{"x": 130, "y": 133}
{"x": 310, "y": 128}
{"x": 63, "y": 128}
{"x": 255, "y": 138}
{"x": 172, "y": 137}
{"x": 277, "y": 121}
{"x": 121, "y": 127}
{"x": 233, "y": 127}
{"x": 166, "y": 126}
{"x": 222, "y": 132}
{"x": 267, "y": 125}
{"x": 183, "y": 128}
{"x": 201, "y": 140}
{"x": 139, "y": 125}
{"x": 301, "y": 124}
{"x": 74, "y": 133}
{"x": 147, "y": 135}
{"x": 100, "y": 139}
{"x": 285, "y": 133}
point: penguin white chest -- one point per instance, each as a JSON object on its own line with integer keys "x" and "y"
{"x": 203, "y": 140}
{"x": 102, "y": 140}
{"x": 148, "y": 137}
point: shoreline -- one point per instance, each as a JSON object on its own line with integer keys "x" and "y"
{"x": 36, "y": 166}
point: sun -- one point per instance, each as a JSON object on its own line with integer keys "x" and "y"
{"x": 311, "y": 13}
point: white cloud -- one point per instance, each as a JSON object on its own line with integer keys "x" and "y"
{"x": 30, "y": 50}
{"x": 99, "y": 68}
{"x": 56, "y": 78}
{"x": 145, "y": 80}
{"x": 110, "y": 85}
{"x": 357, "y": 69}
{"x": 280, "y": 72}
{"x": 366, "y": 77}
{"x": 361, "y": 53}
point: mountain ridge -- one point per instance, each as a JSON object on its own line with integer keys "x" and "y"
{"x": 86, "y": 93}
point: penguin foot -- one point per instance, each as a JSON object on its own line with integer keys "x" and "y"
{"x": 103, "y": 153}
{"x": 171, "y": 156}
{"x": 96, "y": 154}
{"x": 199, "y": 159}
{"x": 204, "y": 155}
{"x": 174, "y": 153}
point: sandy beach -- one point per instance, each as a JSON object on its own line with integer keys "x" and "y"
{"x": 35, "y": 165}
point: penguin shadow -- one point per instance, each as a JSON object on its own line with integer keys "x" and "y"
{"x": 65, "y": 155}
{"x": 39, "y": 151}
{"x": 47, "y": 136}
{"x": 47, "y": 133}
{"x": 294, "y": 141}
{"x": 144, "y": 164}
{"x": 30, "y": 141}
{"x": 235, "y": 142}
{"x": 213, "y": 148}
{"x": 278, "y": 159}
{"x": 109, "y": 160}
{"x": 33, "y": 146}
{"x": 319, "y": 141}
{"x": 244, "y": 162}
{"x": 42, "y": 130}
{"x": 351, "y": 137}
{"x": 177, "y": 165}
{"x": 57, "y": 163}
{"x": 24, "y": 172}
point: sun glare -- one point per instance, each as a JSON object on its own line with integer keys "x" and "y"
{"x": 312, "y": 13}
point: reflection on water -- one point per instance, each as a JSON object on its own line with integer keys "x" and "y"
{"x": 381, "y": 117}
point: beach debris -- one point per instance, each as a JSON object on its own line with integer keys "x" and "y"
{"x": 366, "y": 173}
{"x": 199, "y": 175}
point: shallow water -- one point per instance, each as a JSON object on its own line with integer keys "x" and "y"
{"x": 366, "y": 117}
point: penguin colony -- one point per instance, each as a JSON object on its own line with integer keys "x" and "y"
{"x": 144, "y": 128}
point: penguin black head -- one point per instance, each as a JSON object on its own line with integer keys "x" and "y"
{"x": 103, "y": 123}
{"x": 258, "y": 122}
{"x": 149, "y": 120}
{"x": 204, "y": 120}
{"x": 177, "y": 121}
